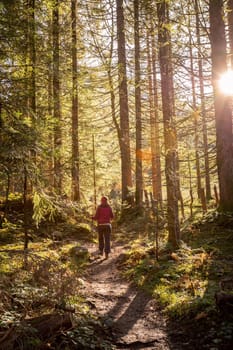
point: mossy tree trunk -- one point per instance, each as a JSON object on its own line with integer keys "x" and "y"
{"x": 171, "y": 156}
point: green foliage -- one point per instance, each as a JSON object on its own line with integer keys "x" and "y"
{"x": 44, "y": 207}
{"x": 18, "y": 137}
{"x": 6, "y": 235}
{"x": 184, "y": 281}
{"x": 47, "y": 280}
{"x": 52, "y": 280}
{"x": 88, "y": 334}
{"x": 78, "y": 230}
{"x": 79, "y": 255}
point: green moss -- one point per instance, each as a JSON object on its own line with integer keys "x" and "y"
{"x": 185, "y": 281}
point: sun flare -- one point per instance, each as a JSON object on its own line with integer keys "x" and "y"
{"x": 226, "y": 83}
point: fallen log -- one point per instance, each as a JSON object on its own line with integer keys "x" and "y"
{"x": 35, "y": 330}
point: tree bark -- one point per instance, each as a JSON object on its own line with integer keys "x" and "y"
{"x": 230, "y": 27}
{"x": 32, "y": 56}
{"x": 75, "y": 143}
{"x": 154, "y": 124}
{"x": 152, "y": 118}
{"x": 222, "y": 104}
{"x": 203, "y": 108}
{"x": 25, "y": 216}
{"x": 139, "y": 178}
{"x": 169, "y": 128}
{"x": 56, "y": 101}
{"x": 50, "y": 109}
{"x": 158, "y": 179}
{"x": 124, "y": 109}
{"x": 195, "y": 114}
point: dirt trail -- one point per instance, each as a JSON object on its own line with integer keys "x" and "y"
{"x": 133, "y": 317}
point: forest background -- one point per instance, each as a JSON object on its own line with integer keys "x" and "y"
{"x": 118, "y": 98}
{"x": 97, "y": 95}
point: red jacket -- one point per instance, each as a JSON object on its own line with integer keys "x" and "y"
{"x": 103, "y": 214}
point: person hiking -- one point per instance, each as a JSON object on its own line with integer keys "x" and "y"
{"x": 103, "y": 216}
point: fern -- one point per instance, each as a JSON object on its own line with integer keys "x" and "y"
{"x": 44, "y": 207}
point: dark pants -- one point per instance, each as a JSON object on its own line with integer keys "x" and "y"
{"x": 104, "y": 232}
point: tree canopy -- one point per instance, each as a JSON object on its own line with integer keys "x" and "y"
{"x": 139, "y": 78}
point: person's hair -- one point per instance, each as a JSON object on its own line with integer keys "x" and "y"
{"x": 104, "y": 198}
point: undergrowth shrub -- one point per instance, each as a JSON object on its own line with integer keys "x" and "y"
{"x": 179, "y": 281}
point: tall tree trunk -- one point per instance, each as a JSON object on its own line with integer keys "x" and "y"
{"x": 31, "y": 88}
{"x": 124, "y": 109}
{"x": 195, "y": 114}
{"x": 50, "y": 108}
{"x": 158, "y": 179}
{"x": 152, "y": 118}
{"x": 203, "y": 108}
{"x": 169, "y": 129}
{"x": 75, "y": 143}
{"x": 112, "y": 90}
{"x": 25, "y": 215}
{"x": 139, "y": 178}
{"x": 230, "y": 27}
{"x": 154, "y": 123}
{"x": 223, "y": 110}
{"x": 32, "y": 56}
{"x": 56, "y": 101}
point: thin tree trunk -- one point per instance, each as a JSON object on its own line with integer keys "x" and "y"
{"x": 94, "y": 171}
{"x": 50, "y": 112}
{"x": 25, "y": 216}
{"x": 230, "y": 27}
{"x": 75, "y": 142}
{"x": 1, "y": 122}
{"x": 195, "y": 114}
{"x": 169, "y": 129}
{"x": 158, "y": 179}
{"x": 31, "y": 47}
{"x": 32, "y": 56}
{"x": 56, "y": 101}
{"x": 190, "y": 187}
{"x": 152, "y": 119}
{"x": 7, "y": 194}
{"x": 203, "y": 108}
{"x": 223, "y": 110}
{"x": 124, "y": 109}
{"x": 139, "y": 178}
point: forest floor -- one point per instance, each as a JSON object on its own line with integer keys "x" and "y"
{"x": 133, "y": 318}
{"x": 129, "y": 301}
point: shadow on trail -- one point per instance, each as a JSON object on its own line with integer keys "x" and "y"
{"x": 135, "y": 319}
{"x": 132, "y": 315}
{"x": 128, "y": 310}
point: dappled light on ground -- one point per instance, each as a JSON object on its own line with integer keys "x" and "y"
{"x": 132, "y": 316}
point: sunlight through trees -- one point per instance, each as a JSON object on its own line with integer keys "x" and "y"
{"x": 141, "y": 77}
